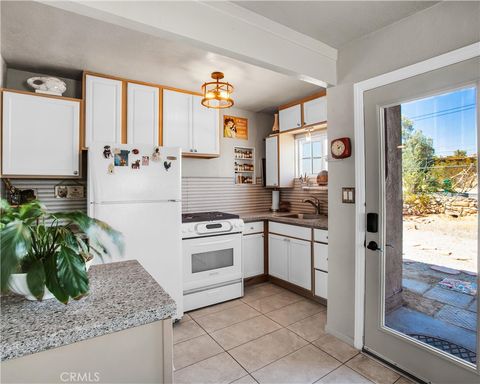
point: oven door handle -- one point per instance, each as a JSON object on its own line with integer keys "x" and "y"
{"x": 216, "y": 242}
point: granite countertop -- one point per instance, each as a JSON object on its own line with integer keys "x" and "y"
{"x": 122, "y": 295}
{"x": 321, "y": 223}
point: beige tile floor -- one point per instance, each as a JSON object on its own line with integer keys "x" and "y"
{"x": 272, "y": 336}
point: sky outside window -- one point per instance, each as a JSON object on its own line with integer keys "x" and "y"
{"x": 449, "y": 119}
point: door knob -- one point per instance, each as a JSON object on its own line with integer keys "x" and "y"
{"x": 373, "y": 246}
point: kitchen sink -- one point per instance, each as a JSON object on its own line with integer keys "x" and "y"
{"x": 304, "y": 216}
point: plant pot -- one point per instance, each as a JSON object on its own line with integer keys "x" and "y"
{"x": 18, "y": 284}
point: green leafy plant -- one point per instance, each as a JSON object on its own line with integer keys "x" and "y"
{"x": 52, "y": 248}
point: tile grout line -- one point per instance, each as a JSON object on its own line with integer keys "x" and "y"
{"x": 281, "y": 327}
{"x": 225, "y": 351}
{"x": 260, "y": 314}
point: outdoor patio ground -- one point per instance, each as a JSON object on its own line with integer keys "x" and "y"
{"x": 438, "y": 247}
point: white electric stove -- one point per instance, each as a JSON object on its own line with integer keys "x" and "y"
{"x": 212, "y": 258}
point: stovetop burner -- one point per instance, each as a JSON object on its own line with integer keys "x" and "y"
{"x": 207, "y": 216}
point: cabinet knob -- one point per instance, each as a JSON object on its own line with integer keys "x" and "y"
{"x": 75, "y": 173}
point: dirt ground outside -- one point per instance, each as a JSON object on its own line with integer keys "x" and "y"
{"x": 442, "y": 240}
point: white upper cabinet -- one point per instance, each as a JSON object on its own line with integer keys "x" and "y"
{"x": 315, "y": 111}
{"x": 177, "y": 120}
{"x": 142, "y": 114}
{"x": 40, "y": 135}
{"x": 271, "y": 162}
{"x": 290, "y": 118}
{"x": 189, "y": 125}
{"x": 206, "y": 131}
{"x": 103, "y": 110}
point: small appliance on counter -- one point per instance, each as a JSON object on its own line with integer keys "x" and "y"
{"x": 212, "y": 258}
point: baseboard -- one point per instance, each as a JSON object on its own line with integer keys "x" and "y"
{"x": 255, "y": 280}
{"x": 338, "y": 335}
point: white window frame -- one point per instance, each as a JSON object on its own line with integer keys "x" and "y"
{"x": 299, "y": 140}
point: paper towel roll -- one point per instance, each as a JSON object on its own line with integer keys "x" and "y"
{"x": 275, "y": 200}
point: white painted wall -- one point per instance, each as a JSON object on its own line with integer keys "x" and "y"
{"x": 259, "y": 126}
{"x": 436, "y": 30}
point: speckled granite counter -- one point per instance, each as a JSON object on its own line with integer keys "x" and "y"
{"x": 122, "y": 295}
{"x": 321, "y": 223}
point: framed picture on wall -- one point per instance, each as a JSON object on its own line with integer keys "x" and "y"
{"x": 235, "y": 127}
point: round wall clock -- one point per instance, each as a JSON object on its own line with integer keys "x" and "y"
{"x": 341, "y": 148}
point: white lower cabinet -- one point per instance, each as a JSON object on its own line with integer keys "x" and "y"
{"x": 300, "y": 263}
{"x": 290, "y": 260}
{"x": 252, "y": 254}
{"x": 321, "y": 284}
{"x": 278, "y": 249}
{"x": 320, "y": 263}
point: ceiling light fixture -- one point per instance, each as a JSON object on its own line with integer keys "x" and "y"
{"x": 217, "y": 94}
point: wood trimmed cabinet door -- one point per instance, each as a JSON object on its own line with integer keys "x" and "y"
{"x": 315, "y": 111}
{"x": 300, "y": 263}
{"x": 290, "y": 118}
{"x": 40, "y": 135}
{"x": 252, "y": 254}
{"x": 205, "y": 128}
{"x": 103, "y": 110}
{"x": 177, "y": 120}
{"x": 271, "y": 162}
{"x": 142, "y": 114}
{"x": 189, "y": 125}
{"x": 278, "y": 250}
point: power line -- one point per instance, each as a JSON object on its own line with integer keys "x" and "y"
{"x": 443, "y": 110}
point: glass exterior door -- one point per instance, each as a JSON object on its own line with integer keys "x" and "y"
{"x": 421, "y": 138}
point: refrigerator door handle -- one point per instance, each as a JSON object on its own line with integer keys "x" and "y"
{"x": 135, "y": 202}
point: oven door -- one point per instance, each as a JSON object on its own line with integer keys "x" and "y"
{"x": 211, "y": 260}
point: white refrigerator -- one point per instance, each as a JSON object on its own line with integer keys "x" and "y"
{"x": 137, "y": 190}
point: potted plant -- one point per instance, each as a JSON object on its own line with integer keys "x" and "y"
{"x": 46, "y": 255}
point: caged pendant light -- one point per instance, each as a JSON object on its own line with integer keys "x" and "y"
{"x": 217, "y": 94}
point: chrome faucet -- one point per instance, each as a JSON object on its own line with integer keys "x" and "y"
{"x": 315, "y": 202}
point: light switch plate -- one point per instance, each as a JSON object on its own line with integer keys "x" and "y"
{"x": 348, "y": 195}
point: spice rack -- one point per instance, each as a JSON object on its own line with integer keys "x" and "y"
{"x": 244, "y": 165}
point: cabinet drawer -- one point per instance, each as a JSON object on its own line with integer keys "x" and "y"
{"x": 320, "y": 256}
{"x": 320, "y": 235}
{"x": 256, "y": 227}
{"x": 290, "y": 230}
{"x": 321, "y": 284}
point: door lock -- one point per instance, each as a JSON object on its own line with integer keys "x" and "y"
{"x": 373, "y": 246}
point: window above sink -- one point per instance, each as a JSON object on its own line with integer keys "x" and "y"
{"x": 311, "y": 153}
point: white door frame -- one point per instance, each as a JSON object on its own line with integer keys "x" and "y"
{"x": 437, "y": 62}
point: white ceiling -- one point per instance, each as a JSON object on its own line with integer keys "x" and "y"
{"x": 335, "y": 22}
{"x": 41, "y": 38}
{"x": 46, "y": 39}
